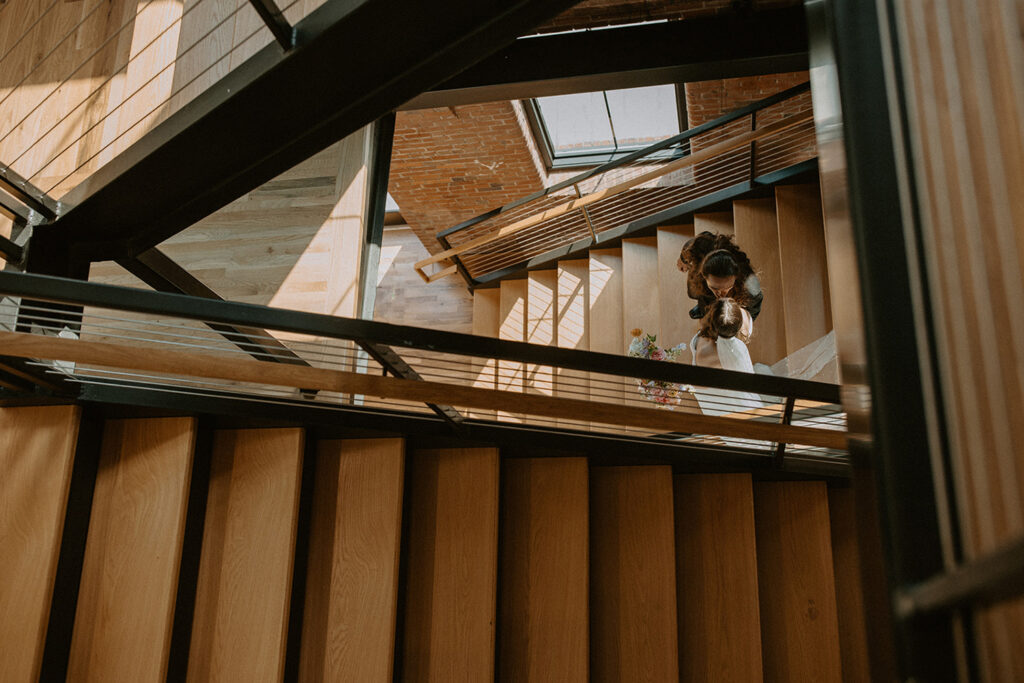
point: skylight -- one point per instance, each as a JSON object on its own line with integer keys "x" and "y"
{"x": 607, "y": 122}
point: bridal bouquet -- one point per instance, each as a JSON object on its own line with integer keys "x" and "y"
{"x": 667, "y": 394}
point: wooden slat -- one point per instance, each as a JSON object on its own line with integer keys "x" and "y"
{"x": 174, "y": 362}
{"x": 799, "y": 627}
{"x": 757, "y": 233}
{"x": 349, "y": 618}
{"x": 130, "y": 573}
{"x": 633, "y": 575}
{"x": 640, "y": 292}
{"x": 803, "y": 265}
{"x": 450, "y": 599}
{"x": 846, "y": 563}
{"x": 245, "y": 570}
{"x": 544, "y": 629}
{"x": 719, "y": 222}
{"x": 37, "y": 449}
{"x": 487, "y": 323}
{"x": 716, "y": 569}
{"x": 673, "y": 303}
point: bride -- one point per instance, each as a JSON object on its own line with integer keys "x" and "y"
{"x": 722, "y": 343}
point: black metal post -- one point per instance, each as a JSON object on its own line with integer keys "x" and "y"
{"x": 272, "y": 16}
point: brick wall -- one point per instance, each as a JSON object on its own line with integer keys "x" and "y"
{"x": 707, "y": 100}
{"x": 451, "y": 164}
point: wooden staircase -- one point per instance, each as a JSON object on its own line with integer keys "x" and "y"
{"x": 637, "y": 285}
{"x": 149, "y": 549}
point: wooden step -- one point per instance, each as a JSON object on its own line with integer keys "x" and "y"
{"x": 573, "y": 328}
{"x": 129, "y": 578}
{"x": 606, "y": 315}
{"x": 803, "y": 265}
{"x": 245, "y": 569}
{"x": 640, "y": 291}
{"x": 512, "y": 326}
{"x": 673, "y": 302}
{"x": 716, "y": 569}
{"x": 544, "y": 626}
{"x": 486, "y": 323}
{"x": 37, "y": 451}
{"x": 799, "y": 625}
{"x": 452, "y": 564}
{"x": 718, "y": 222}
{"x": 633, "y": 575}
{"x": 757, "y": 234}
{"x": 541, "y": 327}
{"x": 348, "y": 629}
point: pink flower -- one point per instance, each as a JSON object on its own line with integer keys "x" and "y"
{"x": 658, "y": 355}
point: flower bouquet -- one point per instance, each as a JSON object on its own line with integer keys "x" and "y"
{"x": 665, "y": 394}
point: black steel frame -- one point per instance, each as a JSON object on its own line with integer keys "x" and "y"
{"x": 214, "y": 150}
{"x": 697, "y": 49}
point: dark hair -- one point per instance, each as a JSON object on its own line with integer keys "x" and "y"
{"x": 696, "y": 248}
{"x": 723, "y": 319}
{"x": 724, "y": 260}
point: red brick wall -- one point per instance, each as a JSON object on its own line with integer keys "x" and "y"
{"x": 706, "y": 100}
{"x": 451, "y": 164}
{"x": 609, "y": 12}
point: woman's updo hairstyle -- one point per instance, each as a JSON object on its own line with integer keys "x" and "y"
{"x": 723, "y": 319}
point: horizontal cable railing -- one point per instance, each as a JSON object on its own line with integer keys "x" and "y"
{"x": 89, "y": 333}
{"x": 81, "y": 83}
{"x": 729, "y": 152}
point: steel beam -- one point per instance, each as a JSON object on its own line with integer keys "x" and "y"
{"x": 27, "y": 193}
{"x": 276, "y": 110}
{"x": 272, "y": 16}
{"x": 724, "y": 46}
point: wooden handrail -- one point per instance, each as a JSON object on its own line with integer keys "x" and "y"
{"x": 564, "y": 208}
{"x": 178, "y": 363}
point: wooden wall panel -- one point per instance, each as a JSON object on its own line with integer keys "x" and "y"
{"x": 245, "y": 570}
{"x": 846, "y": 563}
{"x": 804, "y": 267}
{"x": 544, "y": 629}
{"x": 633, "y": 633}
{"x": 348, "y": 631}
{"x": 757, "y": 233}
{"x": 37, "y": 449}
{"x": 451, "y": 592}
{"x": 674, "y": 304}
{"x": 129, "y": 579}
{"x": 640, "y": 291}
{"x": 799, "y": 626}
{"x": 716, "y": 569}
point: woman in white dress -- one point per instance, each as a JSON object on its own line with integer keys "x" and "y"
{"x": 722, "y": 343}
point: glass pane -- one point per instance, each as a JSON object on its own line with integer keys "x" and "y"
{"x": 642, "y": 116}
{"x": 577, "y": 123}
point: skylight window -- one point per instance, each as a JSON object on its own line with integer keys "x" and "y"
{"x": 577, "y": 127}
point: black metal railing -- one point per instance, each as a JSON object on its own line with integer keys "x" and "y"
{"x": 170, "y": 341}
{"x": 677, "y": 193}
